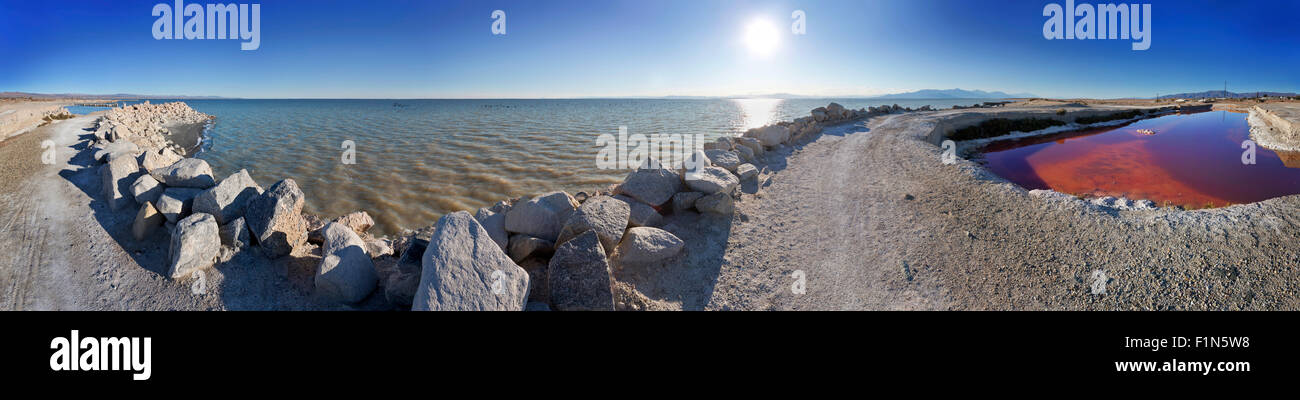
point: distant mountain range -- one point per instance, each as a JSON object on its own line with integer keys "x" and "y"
{"x": 1223, "y": 94}
{"x": 954, "y": 94}
{"x": 116, "y": 96}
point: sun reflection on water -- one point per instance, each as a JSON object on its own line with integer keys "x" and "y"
{"x": 756, "y": 113}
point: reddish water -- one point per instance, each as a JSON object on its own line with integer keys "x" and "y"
{"x": 1192, "y": 160}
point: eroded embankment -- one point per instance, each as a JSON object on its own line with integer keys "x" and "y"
{"x": 1276, "y": 126}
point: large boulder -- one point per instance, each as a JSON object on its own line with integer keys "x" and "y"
{"x": 642, "y": 214}
{"x": 227, "y": 200}
{"x": 146, "y": 189}
{"x": 603, "y": 214}
{"x": 771, "y": 135}
{"x": 752, "y": 144}
{"x": 685, "y": 201}
{"x": 579, "y": 276}
{"x": 644, "y": 245}
{"x": 162, "y": 158}
{"x": 653, "y": 186}
{"x": 177, "y": 203}
{"x": 358, "y": 221}
{"x": 345, "y": 272}
{"x": 464, "y": 269}
{"x": 724, "y": 158}
{"x": 195, "y": 244}
{"x": 189, "y": 172}
{"x": 116, "y": 150}
{"x": 746, "y": 171}
{"x": 712, "y": 180}
{"x": 275, "y": 218}
{"x": 116, "y": 178}
{"x": 146, "y": 221}
{"x": 717, "y": 203}
{"x": 521, "y": 246}
{"x": 495, "y": 224}
{"x": 542, "y": 216}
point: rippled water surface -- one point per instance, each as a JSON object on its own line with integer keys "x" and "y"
{"x": 1191, "y": 160}
{"x": 419, "y": 159}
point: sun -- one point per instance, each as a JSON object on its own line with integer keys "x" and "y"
{"x": 762, "y": 37}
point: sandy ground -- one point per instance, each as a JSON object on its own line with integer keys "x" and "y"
{"x": 873, "y": 220}
{"x": 63, "y": 250}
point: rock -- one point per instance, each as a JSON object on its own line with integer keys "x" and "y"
{"x": 401, "y": 286}
{"x": 541, "y": 216}
{"x": 522, "y": 246}
{"x": 189, "y": 172}
{"x": 227, "y": 200}
{"x": 725, "y": 159}
{"x": 379, "y": 247}
{"x": 195, "y": 245}
{"x": 717, "y": 203}
{"x": 653, "y": 186}
{"x": 177, "y": 203}
{"x": 146, "y": 189}
{"x": 464, "y": 269}
{"x": 358, "y": 221}
{"x": 746, "y": 154}
{"x": 717, "y": 146}
{"x": 579, "y": 276}
{"x": 146, "y": 221}
{"x": 537, "y": 306}
{"x": 642, "y": 214}
{"x": 345, "y": 272}
{"x": 712, "y": 180}
{"x": 162, "y": 158}
{"x": 835, "y": 110}
{"x": 495, "y": 224}
{"x": 685, "y": 201}
{"x": 116, "y": 178}
{"x": 539, "y": 289}
{"x": 607, "y": 216}
{"x": 752, "y": 144}
{"x": 1144, "y": 205}
{"x": 235, "y": 234}
{"x": 771, "y": 135}
{"x": 819, "y": 114}
{"x": 275, "y": 218}
{"x": 115, "y": 150}
{"x": 644, "y": 245}
{"x": 746, "y": 171}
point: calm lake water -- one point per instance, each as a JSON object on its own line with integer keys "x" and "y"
{"x": 1192, "y": 160}
{"x": 419, "y": 159}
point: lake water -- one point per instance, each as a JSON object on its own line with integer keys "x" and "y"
{"x": 1191, "y": 160}
{"x": 419, "y": 159}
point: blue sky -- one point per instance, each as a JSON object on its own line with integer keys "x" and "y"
{"x": 445, "y": 49}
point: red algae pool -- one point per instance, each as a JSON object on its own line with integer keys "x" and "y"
{"x": 1192, "y": 160}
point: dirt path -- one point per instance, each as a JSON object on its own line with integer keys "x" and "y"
{"x": 874, "y": 220}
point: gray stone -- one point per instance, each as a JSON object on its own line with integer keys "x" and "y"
{"x": 146, "y": 221}
{"x": 146, "y": 189}
{"x": 717, "y": 203}
{"x": 358, "y": 221}
{"x": 162, "y": 158}
{"x": 712, "y": 180}
{"x": 770, "y": 136}
{"x": 685, "y": 201}
{"x": 746, "y": 154}
{"x": 275, "y": 218}
{"x": 495, "y": 224}
{"x": 642, "y": 214}
{"x": 751, "y": 143}
{"x": 746, "y": 171}
{"x": 542, "y": 216}
{"x": 725, "y": 159}
{"x": 116, "y": 178}
{"x": 189, "y": 172}
{"x": 653, "y": 186}
{"x": 235, "y": 234}
{"x": 345, "y": 272}
{"x": 607, "y": 216}
{"x": 115, "y": 150}
{"x": 579, "y": 276}
{"x": 464, "y": 269}
{"x": 643, "y": 245}
{"x": 195, "y": 244}
{"x": 227, "y": 200}
{"x": 177, "y": 203}
{"x": 522, "y": 246}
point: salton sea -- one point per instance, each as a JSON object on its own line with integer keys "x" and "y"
{"x": 419, "y": 159}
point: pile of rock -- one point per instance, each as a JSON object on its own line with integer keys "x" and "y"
{"x": 786, "y": 132}
{"x": 144, "y": 126}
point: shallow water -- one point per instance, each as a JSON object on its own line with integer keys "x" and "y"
{"x": 419, "y": 159}
{"x": 1191, "y": 160}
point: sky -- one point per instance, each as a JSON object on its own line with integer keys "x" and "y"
{"x": 614, "y": 48}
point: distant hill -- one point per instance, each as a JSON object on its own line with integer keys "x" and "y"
{"x": 1223, "y": 94}
{"x": 116, "y": 96}
{"x": 954, "y": 94}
